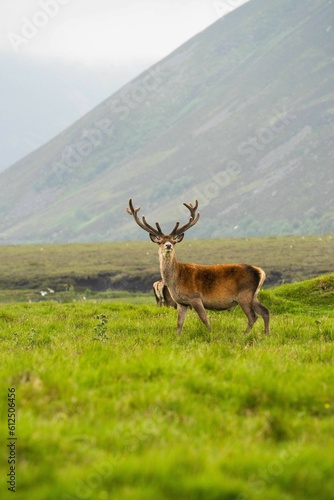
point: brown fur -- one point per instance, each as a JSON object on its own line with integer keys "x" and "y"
{"x": 215, "y": 287}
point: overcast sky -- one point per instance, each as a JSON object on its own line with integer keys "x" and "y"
{"x": 60, "y": 58}
{"x": 98, "y": 32}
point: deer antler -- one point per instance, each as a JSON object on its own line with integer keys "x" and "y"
{"x": 157, "y": 231}
{"x": 142, "y": 223}
{"x": 192, "y": 221}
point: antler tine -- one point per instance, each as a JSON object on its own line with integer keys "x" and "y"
{"x": 159, "y": 228}
{"x": 192, "y": 221}
{"x": 191, "y": 207}
{"x": 173, "y": 231}
{"x": 142, "y": 223}
{"x": 130, "y": 209}
{"x": 151, "y": 229}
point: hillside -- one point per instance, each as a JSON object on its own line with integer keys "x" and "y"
{"x": 49, "y": 87}
{"x": 240, "y": 117}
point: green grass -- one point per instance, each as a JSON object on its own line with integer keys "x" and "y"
{"x": 112, "y": 404}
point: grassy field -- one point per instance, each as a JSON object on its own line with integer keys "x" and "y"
{"x": 133, "y": 266}
{"x": 111, "y": 404}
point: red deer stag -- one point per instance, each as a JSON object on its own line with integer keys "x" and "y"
{"x": 216, "y": 287}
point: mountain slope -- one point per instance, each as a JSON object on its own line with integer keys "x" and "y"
{"x": 40, "y": 90}
{"x": 240, "y": 117}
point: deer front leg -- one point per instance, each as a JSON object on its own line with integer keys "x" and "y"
{"x": 197, "y": 304}
{"x": 181, "y": 316}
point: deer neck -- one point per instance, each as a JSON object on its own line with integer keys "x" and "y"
{"x": 168, "y": 266}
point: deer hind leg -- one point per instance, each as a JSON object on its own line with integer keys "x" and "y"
{"x": 250, "y": 313}
{"x": 264, "y": 312}
{"x": 260, "y": 308}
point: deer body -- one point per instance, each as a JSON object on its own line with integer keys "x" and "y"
{"x": 214, "y": 287}
{"x": 217, "y": 287}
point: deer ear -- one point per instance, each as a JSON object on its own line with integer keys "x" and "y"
{"x": 179, "y": 238}
{"x": 154, "y": 238}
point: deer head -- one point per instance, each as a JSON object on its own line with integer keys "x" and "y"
{"x": 156, "y": 234}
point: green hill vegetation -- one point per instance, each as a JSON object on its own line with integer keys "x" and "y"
{"x": 240, "y": 117}
{"x": 110, "y": 403}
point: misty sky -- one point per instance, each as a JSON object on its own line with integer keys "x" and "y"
{"x": 104, "y": 31}
{"x": 60, "y": 58}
